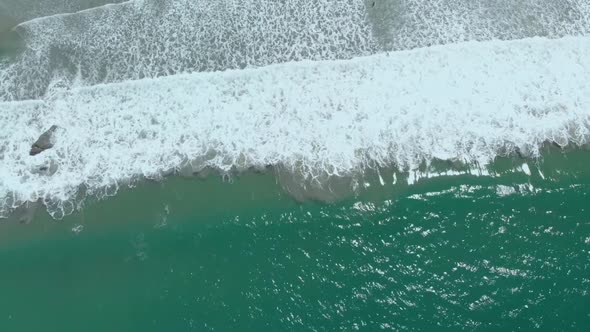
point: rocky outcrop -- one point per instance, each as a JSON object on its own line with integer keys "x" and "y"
{"x": 44, "y": 142}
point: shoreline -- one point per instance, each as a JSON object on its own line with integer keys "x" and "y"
{"x": 554, "y": 165}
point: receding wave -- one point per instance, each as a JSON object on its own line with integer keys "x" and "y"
{"x": 152, "y": 38}
{"x": 468, "y": 102}
{"x": 159, "y": 37}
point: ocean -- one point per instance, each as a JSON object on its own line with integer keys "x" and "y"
{"x": 397, "y": 165}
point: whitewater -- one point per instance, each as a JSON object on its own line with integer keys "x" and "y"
{"x": 151, "y": 38}
{"x": 468, "y": 101}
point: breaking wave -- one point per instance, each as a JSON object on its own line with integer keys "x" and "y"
{"x": 470, "y": 101}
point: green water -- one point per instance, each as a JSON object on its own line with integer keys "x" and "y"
{"x": 465, "y": 253}
{"x": 449, "y": 253}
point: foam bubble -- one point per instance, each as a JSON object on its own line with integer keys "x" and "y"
{"x": 464, "y": 101}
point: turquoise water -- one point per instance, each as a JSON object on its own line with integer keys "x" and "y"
{"x": 449, "y": 253}
{"x": 274, "y": 165}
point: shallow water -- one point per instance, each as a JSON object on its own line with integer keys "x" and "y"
{"x": 451, "y": 253}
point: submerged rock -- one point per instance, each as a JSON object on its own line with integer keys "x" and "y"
{"x": 48, "y": 168}
{"x": 44, "y": 142}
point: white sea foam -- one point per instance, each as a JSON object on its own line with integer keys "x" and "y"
{"x": 464, "y": 101}
{"x": 502, "y": 190}
{"x": 153, "y": 38}
{"x": 404, "y": 24}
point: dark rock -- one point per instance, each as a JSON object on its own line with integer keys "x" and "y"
{"x": 44, "y": 142}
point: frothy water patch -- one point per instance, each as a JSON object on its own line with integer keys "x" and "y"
{"x": 468, "y": 102}
{"x": 154, "y": 38}
{"x": 404, "y": 24}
